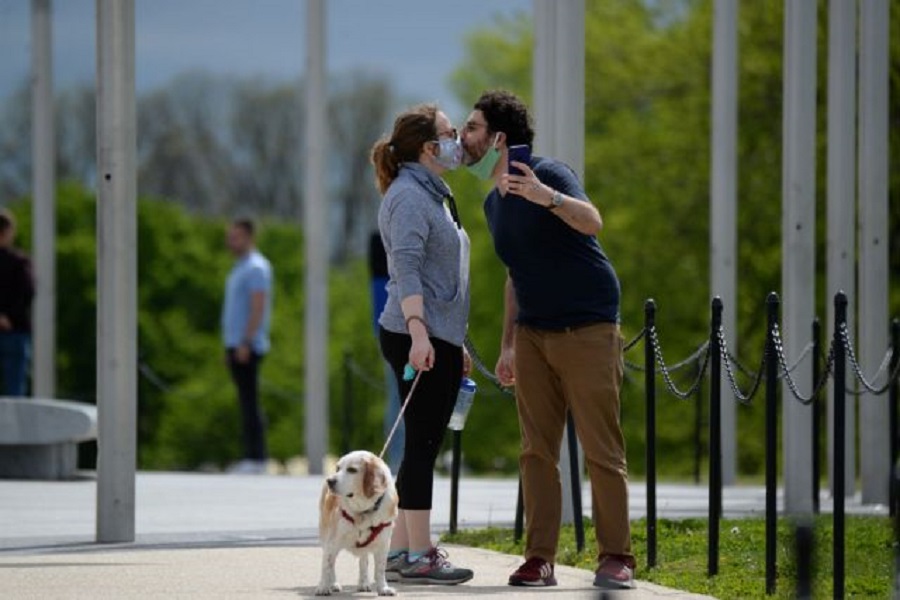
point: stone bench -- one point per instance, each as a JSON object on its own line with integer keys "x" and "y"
{"x": 39, "y": 438}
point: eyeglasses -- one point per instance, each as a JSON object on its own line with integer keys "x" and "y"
{"x": 473, "y": 125}
{"x": 451, "y": 134}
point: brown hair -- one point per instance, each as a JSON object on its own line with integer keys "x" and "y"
{"x": 7, "y": 220}
{"x": 246, "y": 224}
{"x": 412, "y": 129}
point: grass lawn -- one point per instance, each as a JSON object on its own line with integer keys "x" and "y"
{"x": 682, "y": 555}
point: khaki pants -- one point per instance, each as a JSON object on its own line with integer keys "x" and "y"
{"x": 580, "y": 370}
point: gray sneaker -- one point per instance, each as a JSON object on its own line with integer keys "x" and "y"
{"x": 392, "y": 570}
{"x": 434, "y": 568}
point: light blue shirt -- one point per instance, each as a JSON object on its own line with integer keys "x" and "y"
{"x": 251, "y": 273}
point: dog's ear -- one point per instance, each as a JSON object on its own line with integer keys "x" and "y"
{"x": 374, "y": 481}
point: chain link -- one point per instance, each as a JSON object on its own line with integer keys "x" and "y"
{"x": 360, "y": 374}
{"x": 666, "y": 371}
{"x": 635, "y": 341}
{"x": 726, "y": 356}
{"x": 786, "y": 372}
{"x": 482, "y": 368}
{"x": 857, "y": 370}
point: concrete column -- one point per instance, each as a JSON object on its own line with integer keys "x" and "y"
{"x": 873, "y": 242}
{"x": 841, "y": 193}
{"x": 558, "y": 110}
{"x": 798, "y": 239}
{"x": 315, "y": 227}
{"x": 116, "y": 271}
{"x": 723, "y": 205}
{"x": 43, "y": 208}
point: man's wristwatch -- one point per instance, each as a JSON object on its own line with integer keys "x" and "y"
{"x": 556, "y": 201}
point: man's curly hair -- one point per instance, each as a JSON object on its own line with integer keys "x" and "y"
{"x": 505, "y": 112}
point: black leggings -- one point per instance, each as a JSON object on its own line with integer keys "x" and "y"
{"x": 426, "y": 416}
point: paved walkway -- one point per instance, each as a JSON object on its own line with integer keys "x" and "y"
{"x": 202, "y": 536}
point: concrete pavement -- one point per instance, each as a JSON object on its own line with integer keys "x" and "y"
{"x": 202, "y": 536}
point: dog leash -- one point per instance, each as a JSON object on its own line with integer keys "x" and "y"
{"x": 400, "y": 415}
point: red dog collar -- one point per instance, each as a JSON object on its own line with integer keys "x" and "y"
{"x": 374, "y": 530}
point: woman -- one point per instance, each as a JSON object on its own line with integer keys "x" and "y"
{"x": 424, "y": 321}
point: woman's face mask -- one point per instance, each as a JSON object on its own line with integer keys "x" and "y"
{"x": 450, "y": 153}
{"x": 484, "y": 168}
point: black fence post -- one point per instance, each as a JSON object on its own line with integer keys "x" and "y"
{"x": 650, "y": 396}
{"x": 698, "y": 426}
{"x": 840, "y": 386}
{"x": 575, "y": 477}
{"x": 519, "y": 524}
{"x": 816, "y": 414}
{"x": 772, "y": 308}
{"x": 454, "y": 478}
{"x": 803, "y": 549}
{"x": 892, "y": 405}
{"x": 715, "y": 437}
{"x": 347, "y": 438}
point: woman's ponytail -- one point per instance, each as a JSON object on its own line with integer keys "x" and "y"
{"x": 386, "y": 164}
{"x": 412, "y": 130}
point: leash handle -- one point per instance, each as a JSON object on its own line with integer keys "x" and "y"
{"x": 400, "y": 415}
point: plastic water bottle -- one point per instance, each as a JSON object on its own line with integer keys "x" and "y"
{"x": 463, "y": 404}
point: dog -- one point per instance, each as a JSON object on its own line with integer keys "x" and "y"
{"x": 357, "y": 511}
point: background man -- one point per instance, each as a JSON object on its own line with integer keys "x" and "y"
{"x": 245, "y": 333}
{"x": 16, "y": 294}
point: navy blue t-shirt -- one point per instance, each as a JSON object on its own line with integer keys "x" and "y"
{"x": 562, "y": 278}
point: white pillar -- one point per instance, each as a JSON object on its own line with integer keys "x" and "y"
{"x": 558, "y": 110}
{"x": 723, "y": 205}
{"x": 874, "y": 453}
{"x": 116, "y": 271}
{"x": 43, "y": 209}
{"x": 841, "y": 193}
{"x": 315, "y": 224}
{"x": 798, "y": 240}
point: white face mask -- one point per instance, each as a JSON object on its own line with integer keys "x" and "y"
{"x": 450, "y": 153}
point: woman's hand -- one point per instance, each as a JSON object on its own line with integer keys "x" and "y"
{"x": 505, "y": 369}
{"x": 526, "y": 186}
{"x": 467, "y": 362}
{"x": 421, "y": 354}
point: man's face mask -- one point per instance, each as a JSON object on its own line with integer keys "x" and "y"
{"x": 484, "y": 168}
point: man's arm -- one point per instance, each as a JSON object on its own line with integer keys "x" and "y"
{"x": 510, "y": 313}
{"x": 505, "y": 369}
{"x": 257, "y": 308}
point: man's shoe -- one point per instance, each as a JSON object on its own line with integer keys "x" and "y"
{"x": 535, "y": 572}
{"x": 614, "y": 574}
{"x": 394, "y": 565}
{"x": 433, "y": 567}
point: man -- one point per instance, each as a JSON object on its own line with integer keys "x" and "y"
{"x": 561, "y": 343}
{"x": 245, "y": 333}
{"x": 16, "y": 293}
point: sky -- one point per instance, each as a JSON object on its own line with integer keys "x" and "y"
{"x": 417, "y": 43}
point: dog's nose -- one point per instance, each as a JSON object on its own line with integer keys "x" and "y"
{"x": 331, "y": 481}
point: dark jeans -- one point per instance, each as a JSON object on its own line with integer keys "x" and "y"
{"x": 426, "y": 416}
{"x": 246, "y": 379}
{"x": 15, "y": 353}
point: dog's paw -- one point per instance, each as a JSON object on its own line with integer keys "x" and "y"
{"x": 387, "y": 591}
{"x": 324, "y": 590}
{"x": 364, "y": 586}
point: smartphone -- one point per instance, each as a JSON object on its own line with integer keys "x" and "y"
{"x": 520, "y": 153}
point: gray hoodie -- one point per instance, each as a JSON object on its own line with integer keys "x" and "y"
{"x": 427, "y": 254}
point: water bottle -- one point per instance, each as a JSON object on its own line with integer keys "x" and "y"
{"x": 463, "y": 404}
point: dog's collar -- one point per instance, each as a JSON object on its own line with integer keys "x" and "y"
{"x": 374, "y": 530}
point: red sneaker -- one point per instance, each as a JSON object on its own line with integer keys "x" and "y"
{"x": 614, "y": 574}
{"x": 535, "y": 572}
